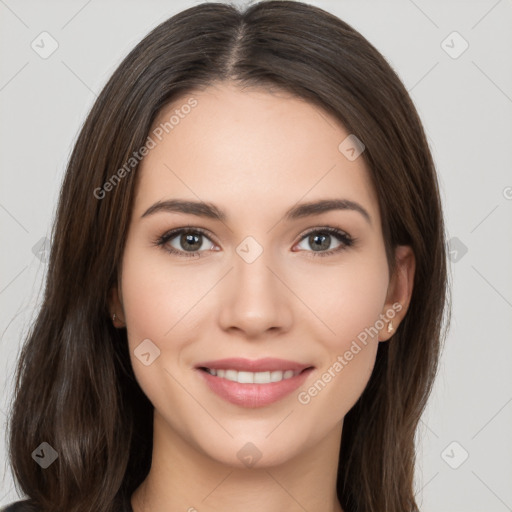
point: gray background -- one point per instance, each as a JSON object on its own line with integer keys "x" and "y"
{"x": 465, "y": 101}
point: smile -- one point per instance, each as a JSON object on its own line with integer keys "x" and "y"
{"x": 253, "y": 383}
{"x": 253, "y": 377}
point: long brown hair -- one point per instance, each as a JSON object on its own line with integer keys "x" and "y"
{"x": 74, "y": 386}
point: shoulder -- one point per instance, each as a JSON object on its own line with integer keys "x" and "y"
{"x": 19, "y": 506}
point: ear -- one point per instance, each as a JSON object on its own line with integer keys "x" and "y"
{"x": 115, "y": 305}
{"x": 399, "y": 291}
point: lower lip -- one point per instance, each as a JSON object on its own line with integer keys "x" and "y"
{"x": 254, "y": 395}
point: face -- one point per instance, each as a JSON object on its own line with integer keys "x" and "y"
{"x": 294, "y": 296}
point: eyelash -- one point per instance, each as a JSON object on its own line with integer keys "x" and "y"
{"x": 346, "y": 241}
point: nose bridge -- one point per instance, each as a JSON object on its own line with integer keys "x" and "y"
{"x": 253, "y": 278}
{"x": 255, "y": 302}
{"x": 254, "y": 274}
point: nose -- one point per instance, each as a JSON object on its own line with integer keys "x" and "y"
{"x": 255, "y": 300}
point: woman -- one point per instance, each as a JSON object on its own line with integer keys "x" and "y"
{"x": 246, "y": 287}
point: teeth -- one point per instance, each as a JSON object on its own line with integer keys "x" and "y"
{"x": 230, "y": 374}
{"x": 253, "y": 377}
{"x": 242, "y": 377}
{"x": 276, "y": 376}
{"x": 262, "y": 378}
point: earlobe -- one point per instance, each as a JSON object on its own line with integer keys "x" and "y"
{"x": 399, "y": 291}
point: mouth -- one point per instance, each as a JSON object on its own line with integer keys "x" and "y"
{"x": 249, "y": 383}
{"x": 243, "y": 377}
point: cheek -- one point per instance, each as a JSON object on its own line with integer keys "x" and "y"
{"x": 336, "y": 387}
{"x": 157, "y": 296}
{"x": 158, "y": 302}
{"x": 347, "y": 297}
{"x": 162, "y": 303}
{"x": 348, "y": 300}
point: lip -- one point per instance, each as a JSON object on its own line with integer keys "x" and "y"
{"x": 253, "y": 395}
{"x": 267, "y": 364}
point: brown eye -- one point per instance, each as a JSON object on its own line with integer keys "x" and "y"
{"x": 320, "y": 240}
{"x": 184, "y": 242}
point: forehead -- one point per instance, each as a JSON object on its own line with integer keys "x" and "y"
{"x": 251, "y": 151}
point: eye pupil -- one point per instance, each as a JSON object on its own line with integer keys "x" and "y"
{"x": 189, "y": 239}
{"x": 313, "y": 239}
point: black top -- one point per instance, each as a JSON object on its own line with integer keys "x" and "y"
{"x": 19, "y": 506}
{"x": 26, "y": 506}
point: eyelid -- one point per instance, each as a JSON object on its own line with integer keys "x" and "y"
{"x": 325, "y": 229}
{"x": 172, "y": 233}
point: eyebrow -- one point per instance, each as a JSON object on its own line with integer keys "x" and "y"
{"x": 211, "y": 211}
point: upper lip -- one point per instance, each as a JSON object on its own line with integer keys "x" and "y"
{"x": 267, "y": 364}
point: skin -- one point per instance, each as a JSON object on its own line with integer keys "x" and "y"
{"x": 253, "y": 153}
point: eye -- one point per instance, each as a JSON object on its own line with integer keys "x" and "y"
{"x": 321, "y": 238}
{"x": 187, "y": 240}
